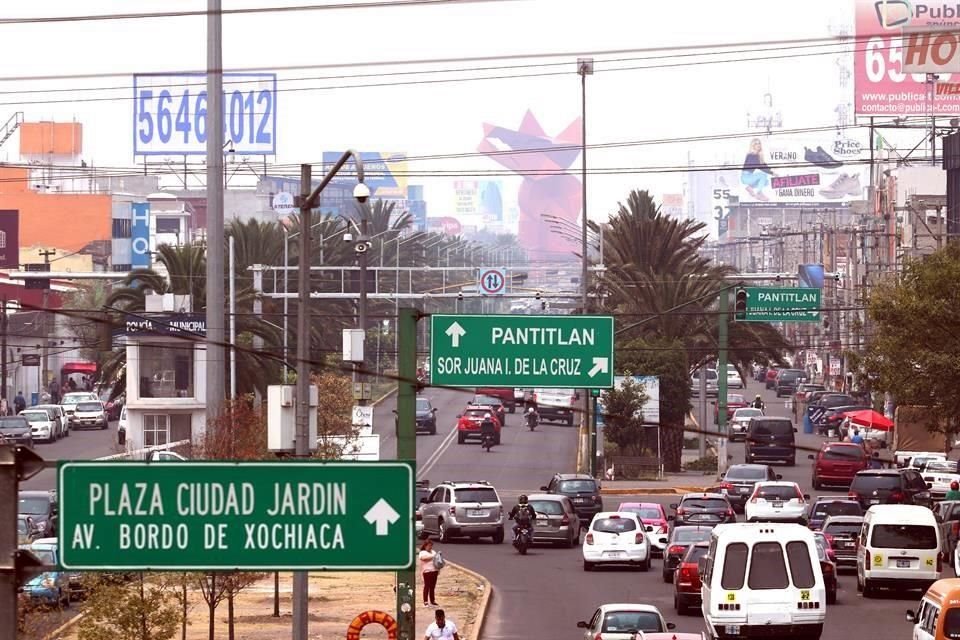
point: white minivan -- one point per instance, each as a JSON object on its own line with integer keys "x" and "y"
{"x": 899, "y": 548}
{"x": 763, "y": 576}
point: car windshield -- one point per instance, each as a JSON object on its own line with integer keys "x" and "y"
{"x": 614, "y": 525}
{"x": 548, "y": 507}
{"x": 44, "y": 555}
{"x": 867, "y": 482}
{"x": 33, "y": 506}
{"x": 904, "y": 536}
{"x": 486, "y": 401}
{"x": 835, "y": 401}
{"x": 735, "y": 399}
{"x": 704, "y": 503}
{"x": 73, "y": 398}
{"x": 36, "y": 416}
{"x": 951, "y": 624}
{"x": 842, "y": 529}
{"x": 695, "y": 552}
{"x": 837, "y": 508}
{"x": 423, "y": 404}
{"x": 476, "y": 495}
{"x": 943, "y": 466}
{"x": 790, "y": 376}
{"x": 644, "y": 513}
{"x": 475, "y": 415}
{"x": 746, "y": 473}
{"x": 578, "y": 486}
{"x": 690, "y": 534}
{"x": 777, "y": 492}
{"x": 772, "y": 427}
{"x": 89, "y": 406}
{"x": 628, "y": 621}
{"x": 13, "y": 423}
{"x": 844, "y": 453}
{"x": 747, "y": 413}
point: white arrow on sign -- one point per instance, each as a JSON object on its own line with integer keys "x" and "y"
{"x": 600, "y": 365}
{"x": 455, "y": 331}
{"x": 382, "y": 515}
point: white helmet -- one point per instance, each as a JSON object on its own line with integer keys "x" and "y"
{"x": 530, "y": 410}
{"x": 487, "y": 415}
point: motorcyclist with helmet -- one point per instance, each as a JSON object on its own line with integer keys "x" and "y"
{"x": 488, "y": 428}
{"x": 757, "y": 403}
{"x": 533, "y": 418}
{"x": 522, "y": 515}
{"x": 954, "y": 493}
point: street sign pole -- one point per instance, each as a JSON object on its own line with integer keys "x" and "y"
{"x": 722, "y": 339}
{"x": 406, "y": 450}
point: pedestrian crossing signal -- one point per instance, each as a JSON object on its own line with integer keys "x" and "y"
{"x": 740, "y": 304}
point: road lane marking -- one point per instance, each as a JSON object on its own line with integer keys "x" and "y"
{"x": 431, "y": 461}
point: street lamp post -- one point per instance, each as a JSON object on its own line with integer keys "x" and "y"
{"x": 585, "y": 68}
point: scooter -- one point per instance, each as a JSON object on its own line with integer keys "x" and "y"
{"x": 523, "y": 540}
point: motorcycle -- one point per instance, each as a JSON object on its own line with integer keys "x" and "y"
{"x": 532, "y": 421}
{"x": 523, "y": 540}
{"x": 487, "y": 441}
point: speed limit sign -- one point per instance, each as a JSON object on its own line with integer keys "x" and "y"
{"x": 493, "y": 281}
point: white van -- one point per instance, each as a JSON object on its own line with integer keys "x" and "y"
{"x": 899, "y": 548}
{"x": 763, "y": 575}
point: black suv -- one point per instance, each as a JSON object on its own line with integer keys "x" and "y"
{"x": 426, "y": 416}
{"x": 771, "y": 438}
{"x": 740, "y": 479}
{"x": 787, "y": 381}
{"x": 583, "y": 491}
{"x": 890, "y": 486}
{"x": 703, "y": 510}
{"x": 42, "y": 507}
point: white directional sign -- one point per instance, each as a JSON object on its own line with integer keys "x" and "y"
{"x": 362, "y": 416}
{"x": 492, "y": 281}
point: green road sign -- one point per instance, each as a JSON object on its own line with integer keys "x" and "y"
{"x": 782, "y": 304}
{"x": 521, "y": 351}
{"x": 202, "y": 516}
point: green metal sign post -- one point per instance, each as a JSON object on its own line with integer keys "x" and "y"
{"x": 781, "y": 304}
{"x": 206, "y": 516}
{"x": 571, "y": 352}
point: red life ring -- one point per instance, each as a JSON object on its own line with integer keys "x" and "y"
{"x": 372, "y": 617}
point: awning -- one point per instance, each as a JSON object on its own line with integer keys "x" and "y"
{"x": 79, "y": 367}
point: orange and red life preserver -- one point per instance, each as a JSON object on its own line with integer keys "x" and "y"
{"x": 372, "y": 617}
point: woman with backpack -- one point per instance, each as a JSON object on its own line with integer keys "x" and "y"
{"x": 430, "y": 564}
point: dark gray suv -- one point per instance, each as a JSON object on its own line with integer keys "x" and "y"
{"x": 583, "y": 491}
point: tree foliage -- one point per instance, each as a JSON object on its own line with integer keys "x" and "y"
{"x": 144, "y": 609}
{"x": 623, "y": 416}
{"x": 914, "y": 352}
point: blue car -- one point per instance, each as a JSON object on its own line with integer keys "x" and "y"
{"x": 51, "y": 588}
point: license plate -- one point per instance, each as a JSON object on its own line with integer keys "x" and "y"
{"x": 777, "y": 505}
{"x": 579, "y": 499}
{"x": 614, "y": 554}
{"x": 903, "y": 564}
{"x": 542, "y": 522}
{"x": 847, "y": 544}
{"x": 478, "y": 513}
{"x": 874, "y": 501}
{"x": 733, "y": 629}
{"x": 744, "y": 490}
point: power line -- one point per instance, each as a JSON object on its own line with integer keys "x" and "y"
{"x": 369, "y": 4}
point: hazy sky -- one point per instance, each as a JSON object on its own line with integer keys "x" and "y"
{"x": 445, "y": 117}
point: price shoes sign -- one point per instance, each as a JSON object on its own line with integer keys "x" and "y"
{"x": 203, "y": 516}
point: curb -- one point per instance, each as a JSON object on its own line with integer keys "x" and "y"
{"x": 66, "y": 625}
{"x": 652, "y": 491}
{"x": 484, "y": 601}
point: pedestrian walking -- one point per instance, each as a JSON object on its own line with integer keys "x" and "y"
{"x": 19, "y": 403}
{"x": 4, "y": 407}
{"x": 441, "y": 628}
{"x": 429, "y": 571}
{"x": 54, "y": 391}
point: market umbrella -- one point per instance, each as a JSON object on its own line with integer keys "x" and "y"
{"x": 870, "y": 419}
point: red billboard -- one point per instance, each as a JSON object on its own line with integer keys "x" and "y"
{"x": 9, "y": 239}
{"x": 881, "y": 88}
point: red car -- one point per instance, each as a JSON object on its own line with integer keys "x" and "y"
{"x": 686, "y": 579}
{"x": 734, "y": 401}
{"x": 771, "y": 380}
{"x": 654, "y": 519}
{"x": 837, "y": 463}
{"x": 468, "y": 424}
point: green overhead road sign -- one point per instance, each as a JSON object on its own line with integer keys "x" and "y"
{"x": 782, "y": 304}
{"x": 203, "y": 516}
{"x": 521, "y": 351}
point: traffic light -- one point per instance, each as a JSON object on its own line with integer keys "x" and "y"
{"x": 740, "y": 304}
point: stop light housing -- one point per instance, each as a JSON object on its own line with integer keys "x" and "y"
{"x": 740, "y": 304}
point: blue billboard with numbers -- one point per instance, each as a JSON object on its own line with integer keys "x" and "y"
{"x": 170, "y": 113}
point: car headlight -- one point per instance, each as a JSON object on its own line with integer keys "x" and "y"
{"x": 48, "y": 582}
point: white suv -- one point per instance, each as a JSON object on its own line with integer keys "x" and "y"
{"x": 468, "y": 509}
{"x": 616, "y": 538}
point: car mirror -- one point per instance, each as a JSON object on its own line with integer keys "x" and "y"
{"x": 811, "y": 457}
{"x": 702, "y": 566}
{"x": 674, "y": 506}
{"x": 648, "y": 528}
{"x": 543, "y": 489}
{"x": 721, "y": 475}
{"x": 581, "y": 625}
{"x": 911, "y": 616}
{"x": 779, "y": 477}
{"x": 806, "y": 496}
{"x": 671, "y": 626}
{"x": 434, "y": 410}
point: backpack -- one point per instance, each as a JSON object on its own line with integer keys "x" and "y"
{"x": 438, "y": 561}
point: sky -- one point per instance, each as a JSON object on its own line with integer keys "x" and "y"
{"x": 443, "y": 118}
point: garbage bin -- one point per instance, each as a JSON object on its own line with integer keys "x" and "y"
{"x": 34, "y": 398}
{"x": 807, "y": 425}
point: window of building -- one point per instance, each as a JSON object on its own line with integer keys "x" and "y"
{"x": 166, "y": 370}
{"x": 121, "y": 227}
{"x": 156, "y": 429}
{"x": 122, "y": 267}
{"x": 168, "y": 225}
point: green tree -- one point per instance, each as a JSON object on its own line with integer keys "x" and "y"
{"x": 145, "y": 609}
{"x": 623, "y": 416}
{"x": 914, "y": 352}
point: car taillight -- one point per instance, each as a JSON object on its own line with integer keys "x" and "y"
{"x": 681, "y": 511}
{"x": 675, "y": 549}
{"x": 588, "y": 539}
{"x": 565, "y": 520}
{"x": 897, "y": 496}
{"x": 730, "y": 513}
{"x": 853, "y": 495}
{"x": 598, "y": 637}
{"x": 827, "y": 567}
{"x": 687, "y": 572}
{"x": 598, "y": 499}
{"x": 453, "y": 511}
{"x": 955, "y": 529}
{"x": 663, "y": 528}
{"x": 638, "y": 539}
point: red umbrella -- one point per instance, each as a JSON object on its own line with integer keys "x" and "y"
{"x": 870, "y": 419}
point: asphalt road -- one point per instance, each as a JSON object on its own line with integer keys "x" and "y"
{"x": 85, "y": 444}
{"x": 547, "y": 591}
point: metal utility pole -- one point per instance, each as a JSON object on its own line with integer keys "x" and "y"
{"x": 406, "y": 448}
{"x": 302, "y": 436}
{"x": 233, "y": 326}
{"x": 585, "y": 68}
{"x": 358, "y": 374}
{"x": 722, "y": 339}
{"x": 45, "y": 254}
{"x": 216, "y": 361}
{"x": 702, "y": 401}
{"x": 3, "y": 348}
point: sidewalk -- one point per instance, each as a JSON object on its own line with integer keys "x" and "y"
{"x": 671, "y": 483}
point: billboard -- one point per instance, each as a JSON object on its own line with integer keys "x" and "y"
{"x": 384, "y": 172}
{"x": 10, "y": 239}
{"x": 783, "y": 171}
{"x": 672, "y": 205}
{"x": 881, "y": 88}
{"x": 479, "y": 198}
{"x": 170, "y": 113}
{"x": 651, "y": 408}
{"x": 140, "y": 235}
